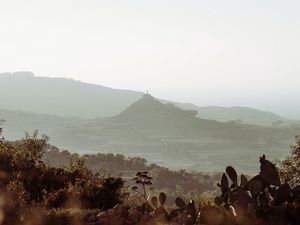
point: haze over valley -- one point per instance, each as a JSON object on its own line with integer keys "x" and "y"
{"x": 87, "y": 118}
{"x": 132, "y": 112}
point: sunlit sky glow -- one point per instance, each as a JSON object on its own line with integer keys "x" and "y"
{"x": 206, "y": 52}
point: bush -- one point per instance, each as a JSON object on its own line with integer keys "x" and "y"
{"x": 290, "y": 167}
{"x": 50, "y": 187}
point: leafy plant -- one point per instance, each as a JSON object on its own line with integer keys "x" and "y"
{"x": 290, "y": 167}
{"x": 262, "y": 199}
{"x": 143, "y": 182}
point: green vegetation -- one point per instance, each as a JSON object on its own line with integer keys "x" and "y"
{"x": 143, "y": 182}
{"x": 30, "y": 183}
{"x": 34, "y": 191}
{"x": 290, "y": 167}
{"x": 115, "y": 165}
{"x": 263, "y": 200}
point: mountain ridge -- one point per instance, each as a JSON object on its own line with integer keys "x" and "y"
{"x": 70, "y": 98}
{"x": 62, "y": 96}
{"x": 242, "y": 114}
{"x": 161, "y": 133}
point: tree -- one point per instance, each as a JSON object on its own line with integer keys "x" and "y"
{"x": 290, "y": 167}
{"x": 143, "y": 181}
{"x": 2, "y": 121}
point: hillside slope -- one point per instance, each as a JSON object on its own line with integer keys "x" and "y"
{"x": 161, "y": 133}
{"x": 62, "y": 97}
{"x": 69, "y": 98}
{"x": 244, "y": 115}
{"x": 176, "y": 138}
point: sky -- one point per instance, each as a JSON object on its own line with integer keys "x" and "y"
{"x": 206, "y": 52}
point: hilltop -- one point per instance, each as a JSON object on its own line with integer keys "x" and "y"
{"x": 26, "y": 92}
{"x": 149, "y": 112}
{"x": 161, "y": 133}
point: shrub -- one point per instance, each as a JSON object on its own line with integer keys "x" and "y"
{"x": 290, "y": 167}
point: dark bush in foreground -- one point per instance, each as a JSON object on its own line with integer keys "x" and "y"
{"x": 262, "y": 200}
{"x": 26, "y": 182}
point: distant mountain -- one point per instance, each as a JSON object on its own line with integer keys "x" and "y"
{"x": 161, "y": 133}
{"x": 69, "y": 98}
{"x": 244, "y": 115}
{"x": 176, "y": 138}
{"x": 149, "y": 112}
{"x": 61, "y": 96}
{"x": 139, "y": 125}
{"x": 16, "y": 123}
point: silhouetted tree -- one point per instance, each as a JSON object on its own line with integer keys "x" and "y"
{"x": 290, "y": 167}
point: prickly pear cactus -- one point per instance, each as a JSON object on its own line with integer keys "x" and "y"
{"x": 269, "y": 172}
{"x": 232, "y": 174}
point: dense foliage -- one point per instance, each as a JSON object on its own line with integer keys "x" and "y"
{"x": 261, "y": 200}
{"x": 37, "y": 193}
{"x": 34, "y": 184}
{"x": 163, "y": 178}
{"x": 290, "y": 167}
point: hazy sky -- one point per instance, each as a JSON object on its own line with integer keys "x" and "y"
{"x": 243, "y": 52}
